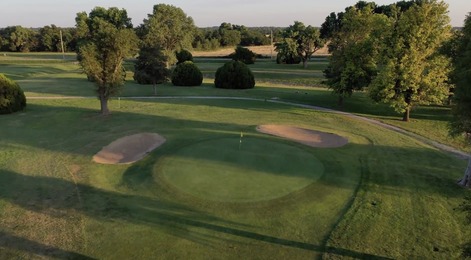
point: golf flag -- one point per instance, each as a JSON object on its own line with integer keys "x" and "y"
{"x": 241, "y": 135}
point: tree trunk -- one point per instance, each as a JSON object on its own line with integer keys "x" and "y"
{"x": 405, "y": 118}
{"x": 104, "y": 105}
{"x": 305, "y": 63}
{"x": 466, "y": 181}
{"x": 340, "y": 101}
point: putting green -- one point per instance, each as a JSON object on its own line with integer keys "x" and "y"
{"x": 261, "y": 169}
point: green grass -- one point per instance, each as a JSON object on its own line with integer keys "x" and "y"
{"x": 227, "y": 170}
{"x": 382, "y": 195}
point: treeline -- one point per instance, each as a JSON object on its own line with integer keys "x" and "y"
{"x": 48, "y": 38}
{"x": 231, "y": 35}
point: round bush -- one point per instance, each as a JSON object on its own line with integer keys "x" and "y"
{"x": 234, "y": 75}
{"x": 183, "y": 56}
{"x": 187, "y": 74}
{"x": 12, "y": 98}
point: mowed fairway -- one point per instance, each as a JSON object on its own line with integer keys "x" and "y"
{"x": 200, "y": 196}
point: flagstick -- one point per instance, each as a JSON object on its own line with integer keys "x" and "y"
{"x": 240, "y": 140}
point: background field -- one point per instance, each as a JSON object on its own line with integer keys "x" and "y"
{"x": 383, "y": 195}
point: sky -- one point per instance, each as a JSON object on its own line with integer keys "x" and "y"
{"x": 205, "y": 13}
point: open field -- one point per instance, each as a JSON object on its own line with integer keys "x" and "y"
{"x": 383, "y": 195}
{"x": 267, "y": 51}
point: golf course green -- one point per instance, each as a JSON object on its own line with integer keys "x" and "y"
{"x": 227, "y": 169}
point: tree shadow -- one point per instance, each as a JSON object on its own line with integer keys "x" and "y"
{"x": 39, "y": 194}
{"x": 25, "y": 245}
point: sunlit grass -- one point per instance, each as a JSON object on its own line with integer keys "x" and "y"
{"x": 383, "y": 195}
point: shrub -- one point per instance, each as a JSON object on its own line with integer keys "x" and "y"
{"x": 12, "y": 97}
{"x": 183, "y": 56}
{"x": 287, "y": 59}
{"x": 245, "y": 55}
{"x": 234, "y": 75}
{"x": 187, "y": 74}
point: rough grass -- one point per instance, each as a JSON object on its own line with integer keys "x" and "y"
{"x": 383, "y": 195}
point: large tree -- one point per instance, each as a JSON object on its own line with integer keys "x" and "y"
{"x": 412, "y": 71}
{"x": 331, "y": 25}
{"x": 354, "y": 48}
{"x": 168, "y": 28}
{"x": 461, "y": 122}
{"x": 150, "y": 67}
{"x": 106, "y": 38}
{"x": 229, "y": 36}
{"x": 307, "y": 40}
{"x": 53, "y": 38}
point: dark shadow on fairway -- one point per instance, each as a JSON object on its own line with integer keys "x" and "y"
{"x": 17, "y": 72}
{"x": 33, "y": 247}
{"x": 425, "y": 163}
{"x": 39, "y": 194}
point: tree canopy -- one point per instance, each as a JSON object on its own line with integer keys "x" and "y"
{"x": 106, "y": 39}
{"x": 354, "y": 48}
{"x": 461, "y": 123}
{"x": 411, "y": 69}
{"x": 18, "y": 39}
{"x": 150, "y": 67}
{"x": 168, "y": 28}
{"x": 305, "y": 41}
{"x": 461, "y": 110}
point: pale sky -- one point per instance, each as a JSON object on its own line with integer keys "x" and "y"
{"x": 205, "y": 13}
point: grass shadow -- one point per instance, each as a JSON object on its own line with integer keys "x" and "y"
{"x": 32, "y": 247}
{"x": 29, "y": 192}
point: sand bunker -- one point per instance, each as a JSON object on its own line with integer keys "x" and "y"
{"x": 304, "y": 136}
{"x": 129, "y": 149}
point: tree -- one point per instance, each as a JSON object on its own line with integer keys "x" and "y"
{"x": 333, "y": 22}
{"x": 12, "y": 97}
{"x": 50, "y": 38}
{"x": 306, "y": 39}
{"x": 461, "y": 109}
{"x": 150, "y": 67}
{"x": 287, "y": 52}
{"x": 19, "y": 39}
{"x": 352, "y": 64}
{"x": 187, "y": 74}
{"x": 234, "y": 75}
{"x": 228, "y": 35}
{"x": 106, "y": 39}
{"x": 451, "y": 49}
{"x": 331, "y": 25}
{"x": 252, "y": 37}
{"x": 168, "y": 28}
{"x": 411, "y": 69}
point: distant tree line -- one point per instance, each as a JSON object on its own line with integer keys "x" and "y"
{"x": 48, "y": 38}
{"x": 231, "y": 35}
